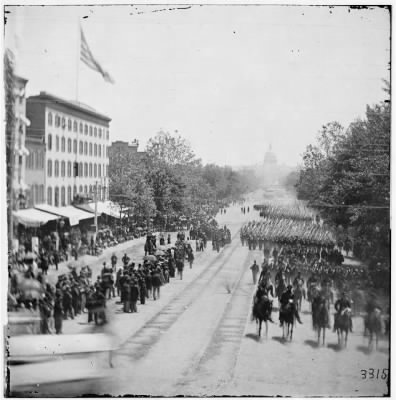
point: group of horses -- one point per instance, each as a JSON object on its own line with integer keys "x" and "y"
{"x": 320, "y": 299}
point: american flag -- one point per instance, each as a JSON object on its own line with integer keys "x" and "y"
{"x": 89, "y": 60}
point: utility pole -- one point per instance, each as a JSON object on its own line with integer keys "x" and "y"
{"x": 96, "y": 210}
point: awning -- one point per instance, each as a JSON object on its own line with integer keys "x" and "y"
{"x": 75, "y": 215}
{"x": 104, "y": 207}
{"x": 32, "y": 218}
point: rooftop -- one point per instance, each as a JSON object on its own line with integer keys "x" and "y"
{"x": 72, "y": 104}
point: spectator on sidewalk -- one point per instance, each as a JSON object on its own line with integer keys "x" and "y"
{"x": 125, "y": 259}
{"x": 56, "y": 259}
{"x": 58, "y": 312}
{"x": 134, "y": 295}
{"x": 126, "y": 294}
{"x": 114, "y": 262}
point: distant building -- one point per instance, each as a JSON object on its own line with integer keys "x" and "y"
{"x": 131, "y": 149}
{"x": 270, "y": 171}
{"x": 69, "y": 143}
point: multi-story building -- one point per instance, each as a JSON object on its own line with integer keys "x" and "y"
{"x": 119, "y": 147}
{"x": 69, "y": 144}
{"x": 19, "y": 185}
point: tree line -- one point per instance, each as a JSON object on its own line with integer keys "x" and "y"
{"x": 169, "y": 181}
{"x": 346, "y": 176}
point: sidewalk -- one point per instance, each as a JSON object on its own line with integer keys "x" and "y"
{"x": 130, "y": 246}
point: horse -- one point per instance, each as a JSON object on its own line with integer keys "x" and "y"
{"x": 320, "y": 316}
{"x": 342, "y": 325}
{"x": 262, "y": 312}
{"x": 286, "y": 317}
{"x": 373, "y": 324}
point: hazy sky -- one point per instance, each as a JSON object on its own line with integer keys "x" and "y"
{"x": 230, "y": 79}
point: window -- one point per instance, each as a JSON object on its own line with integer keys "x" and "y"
{"x": 95, "y": 170}
{"x": 90, "y": 189}
{"x": 63, "y": 196}
{"x": 69, "y": 169}
{"x": 90, "y": 149}
{"x": 74, "y": 191}
{"x": 75, "y": 126}
{"x": 95, "y": 150}
{"x": 81, "y": 150}
{"x": 63, "y": 144}
{"x": 85, "y": 189}
{"x": 50, "y": 118}
{"x": 63, "y": 123}
{"x": 107, "y": 151}
{"x": 104, "y": 150}
{"x": 81, "y": 127}
{"x": 69, "y": 124}
{"x": 75, "y": 146}
{"x": 85, "y": 148}
{"x": 86, "y": 129}
{"x": 56, "y": 168}
{"x": 100, "y": 151}
{"x": 107, "y": 135}
{"x": 49, "y": 168}
{"x": 90, "y": 130}
{"x": 90, "y": 169}
{"x": 80, "y": 170}
{"x": 57, "y": 120}
{"x": 80, "y": 189}
{"x": 85, "y": 169}
{"x": 42, "y": 164}
{"x": 49, "y": 141}
{"x": 56, "y": 197}
{"x": 63, "y": 168}
{"x": 49, "y": 195}
{"x": 56, "y": 143}
{"x": 69, "y": 195}
{"x": 95, "y": 132}
{"x": 34, "y": 160}
{"x": 100, "y": 133}
{"x": 69, "y": 145}
{"x": 41, "y": 194}
{"x": 99, "y": 170}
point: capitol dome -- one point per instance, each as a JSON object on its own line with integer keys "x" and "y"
{"x": 270, "y": 157}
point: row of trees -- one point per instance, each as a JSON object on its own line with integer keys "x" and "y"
{"x": 346, "y": 176}
{"x": 169, "y": 180}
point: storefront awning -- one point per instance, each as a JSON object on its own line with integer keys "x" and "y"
{"x": 75, "y": 215}
{"x": 33, "y": 218}
{"x": 104, "y": 207}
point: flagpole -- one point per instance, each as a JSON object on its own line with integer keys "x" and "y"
{"x": 78, "y": 55}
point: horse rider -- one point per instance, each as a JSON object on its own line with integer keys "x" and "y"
{"x": 255, "y": 270}
{"x": 264, "y": 274}
{"x": 288, "y": 298}
{"x": 340, "y": 306}
{"x": 263, "y": 290}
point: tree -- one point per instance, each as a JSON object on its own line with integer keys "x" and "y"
{"x": 346, "y": 175}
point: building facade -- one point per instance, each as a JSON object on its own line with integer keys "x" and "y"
{"x": 19, "y": 185}
{"x": 69, "y": 142}
{"x": 119, "y": 147}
